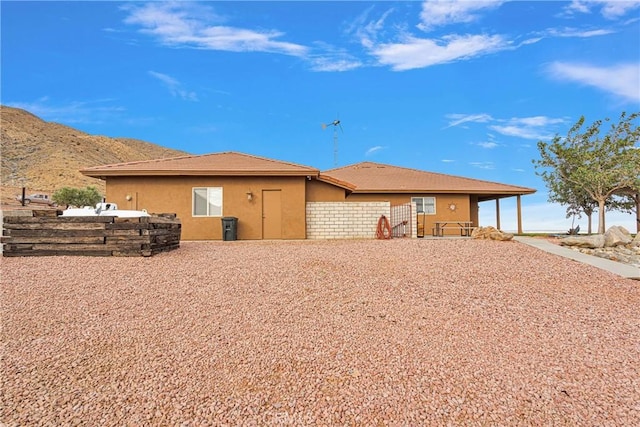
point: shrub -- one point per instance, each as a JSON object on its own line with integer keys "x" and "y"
{"x": 77, "y": 196}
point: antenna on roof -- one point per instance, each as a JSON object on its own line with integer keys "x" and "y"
{"x": 335, "y": 124}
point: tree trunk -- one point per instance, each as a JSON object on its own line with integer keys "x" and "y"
{"x": 589, "y": 222}
{"x": 601, "y": 216}
{"x": 637, "y": 212}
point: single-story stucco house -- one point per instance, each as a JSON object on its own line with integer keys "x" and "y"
{"x": 272, "y": 199}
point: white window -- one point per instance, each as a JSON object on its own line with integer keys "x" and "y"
{"x": 207, "y": 201}
{"x": 425, "y": 204}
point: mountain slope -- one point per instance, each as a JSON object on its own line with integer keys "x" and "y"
{"x": 45, "y": 156}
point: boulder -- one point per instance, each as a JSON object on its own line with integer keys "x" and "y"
{"x": 624, "y": 231}
{"x": 636, "y": 240}
{"x": 593, "y": 241}
{"x": 617, "y": 236}
{"x": 490, "y": 233}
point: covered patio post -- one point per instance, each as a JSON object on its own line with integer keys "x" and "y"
{"x": 519, "y": 208}
{"x": 498, "y": 213}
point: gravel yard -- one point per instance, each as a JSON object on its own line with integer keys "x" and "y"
{"x": 399, "y": 332}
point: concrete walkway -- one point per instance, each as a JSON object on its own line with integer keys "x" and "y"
{"x": 621, "y": 269}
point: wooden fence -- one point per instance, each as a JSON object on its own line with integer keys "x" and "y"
{"x": 89, "y": 236}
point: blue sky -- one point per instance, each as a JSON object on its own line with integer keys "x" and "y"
{"x": 463, "y": 88}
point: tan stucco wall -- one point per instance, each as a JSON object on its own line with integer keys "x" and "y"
{"x": 174, "y": 195}
{"x": 318, "y": 191}
{"x": 464, "y": 208}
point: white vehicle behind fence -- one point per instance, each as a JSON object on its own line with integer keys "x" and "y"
{"x": 104, "y": 209}
{"x": 42, "y": 199}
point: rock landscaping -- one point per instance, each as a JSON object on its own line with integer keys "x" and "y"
{"x": 400, "y": 332}
{"x": 490, "y": 233}
{"x": 616, "y": 244}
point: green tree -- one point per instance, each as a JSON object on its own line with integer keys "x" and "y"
{"x": 629, "y": 202}
{"x": 578, "y": 202}
{"x": 77, "y": 196}
{"x": 581, "y": 204}
{"x": 636, "y": 199}
{"x": 588, "y": 164}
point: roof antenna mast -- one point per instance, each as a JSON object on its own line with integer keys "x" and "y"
{"x": 335, "y": 124}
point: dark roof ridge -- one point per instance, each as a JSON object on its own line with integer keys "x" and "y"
{"x": 137, "y": 162}
{"x": 168, "y": 159}
{"x": 269, "y": 159}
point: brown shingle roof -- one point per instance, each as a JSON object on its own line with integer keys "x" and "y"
{"x": 365, "y": 177}
{"x": 369, "y": 177}
{"x": 226, "y": 163}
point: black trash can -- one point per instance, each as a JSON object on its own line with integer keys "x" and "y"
{"x": 229, "y": 228}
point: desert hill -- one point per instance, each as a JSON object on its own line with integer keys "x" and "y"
{"x": 45, "y": 156}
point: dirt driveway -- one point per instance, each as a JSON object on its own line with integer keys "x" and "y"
{"x": 400, "y": 332}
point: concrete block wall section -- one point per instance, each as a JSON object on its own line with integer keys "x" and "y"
{"x": 344, "y": 220}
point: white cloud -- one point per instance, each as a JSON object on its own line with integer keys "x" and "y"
{"x": 374, "y": 150}
{"x": 73, "y": 112}
{"x": 402, "y": 50}
{"x": 367, "y": 32}
{"x": 531, "y": 40}
{"x": 578, "y": 6}
{"x": 447, "y": 161}
{"x": 174, "y": 86}
{"x": 193, "y": 25}
{"x": 443, "y": 12}
{"x": 415, "y": 52}
{"x": 483, "y": 165}
{"x": 536, "y": 121}
{"x": 535, "y": 127}
{"x": 332, "y": 59}
{"x": 488, "y": 144}
{"x": 334, "y": 64}
{"x": 576, "y": 32}
{"x": 458, "y": 119}
{"x": 621, "y": 80}
{"x": 565, "y": 32}
{"x": 610, "y": 9}
{"x": 521, "y": 132}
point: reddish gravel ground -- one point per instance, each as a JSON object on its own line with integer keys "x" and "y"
{"x": 400, "y": 332}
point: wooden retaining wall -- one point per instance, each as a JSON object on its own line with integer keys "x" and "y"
{"x": 89, "y": 236}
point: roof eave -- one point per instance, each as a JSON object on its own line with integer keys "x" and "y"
{"x": 334, "y": 181}
{"x": 444, "y": 191}
{"x": 112, "y": 173}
